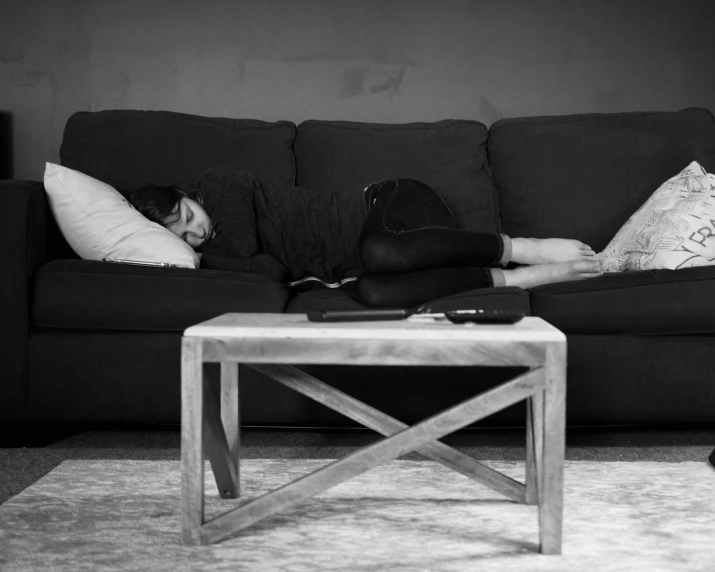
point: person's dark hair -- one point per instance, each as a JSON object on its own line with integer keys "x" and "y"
{"x": 159, "y": 202}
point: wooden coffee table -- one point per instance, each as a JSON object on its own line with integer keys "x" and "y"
{"x": 266, "y": 342}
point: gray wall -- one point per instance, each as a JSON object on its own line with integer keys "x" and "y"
{"x": 364, "y": 60}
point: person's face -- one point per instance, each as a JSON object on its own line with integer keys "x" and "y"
{"x": 190, "y": 223}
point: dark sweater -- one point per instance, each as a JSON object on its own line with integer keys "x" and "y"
{"x": 278, "y": 230}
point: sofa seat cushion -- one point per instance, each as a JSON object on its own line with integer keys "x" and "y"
{"x": 448, "y": 155}
{"x": 583, "y": 176}
{"x": 105, "y": 296}
{"x": 646, "y": 302}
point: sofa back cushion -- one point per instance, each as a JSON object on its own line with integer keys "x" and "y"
{"x": 128, "y": 148}
{"x": 583, "y": 176}
{"x": 449, "y": 155}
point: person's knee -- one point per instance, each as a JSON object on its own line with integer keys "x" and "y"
{"x": 379, "y": 255}
{"x": 370, "y": 291}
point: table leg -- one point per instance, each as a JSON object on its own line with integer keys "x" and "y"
{"x": 230, "y": 416}
{"x": 218, "y": 451}
{"x": 551, "y": 490}
{"x": 534, "y": 445}
{"x": 192, "y": 455}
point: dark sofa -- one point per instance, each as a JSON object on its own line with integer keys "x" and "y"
{"x": 90, "y": 341}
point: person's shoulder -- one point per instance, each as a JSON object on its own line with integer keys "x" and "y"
{"x": 220, "y": 187}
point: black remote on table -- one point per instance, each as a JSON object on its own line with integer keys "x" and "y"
{"x": 356, "y": 315}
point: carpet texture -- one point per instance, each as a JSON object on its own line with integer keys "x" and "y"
{"x": 28, "y": 461}
{"x": 404, "y": 515}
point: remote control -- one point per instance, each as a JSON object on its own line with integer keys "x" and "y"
{"x": 356, "y": 315}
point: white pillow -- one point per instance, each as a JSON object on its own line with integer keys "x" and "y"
{"x": 98, "y": 222}
{"x": 675, "y": 227}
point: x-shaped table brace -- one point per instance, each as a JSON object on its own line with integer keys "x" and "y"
{"x": 220, "y": 428}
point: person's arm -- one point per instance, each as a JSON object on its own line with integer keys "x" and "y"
{"x": 261, "y": 264}
{"x": 228, "y": 199}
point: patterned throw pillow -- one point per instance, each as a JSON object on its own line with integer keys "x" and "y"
{"x": 675, "y": 227}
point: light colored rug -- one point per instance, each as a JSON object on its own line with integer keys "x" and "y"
{"x": 402, "y": 516}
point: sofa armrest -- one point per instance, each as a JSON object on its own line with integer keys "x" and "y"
{"x": 22, "y": 250}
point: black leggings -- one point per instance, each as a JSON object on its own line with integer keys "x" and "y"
{"x": 412, "y": 250}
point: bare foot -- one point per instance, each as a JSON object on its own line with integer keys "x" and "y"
{"x": 549, "y": 250}
{"x": 531, "y": 276}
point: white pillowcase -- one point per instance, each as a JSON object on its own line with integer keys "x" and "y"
{"x": 675, "y": 227}
{"x": 98, "y": 222}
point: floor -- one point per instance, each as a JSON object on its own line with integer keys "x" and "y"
{"x": 28, "y": 451}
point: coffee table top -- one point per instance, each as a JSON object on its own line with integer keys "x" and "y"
{"x": 296, "y": 326}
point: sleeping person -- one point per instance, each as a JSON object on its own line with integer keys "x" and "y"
{"x": 399, "y": 242}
